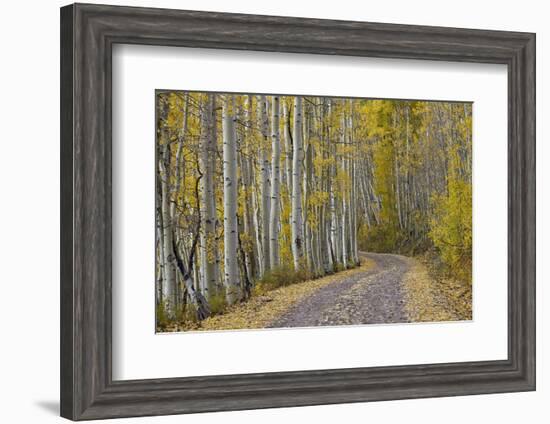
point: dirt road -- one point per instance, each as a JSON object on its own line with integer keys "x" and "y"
{"x": 372, "y": 297}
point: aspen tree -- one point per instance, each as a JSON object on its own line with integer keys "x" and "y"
{"x": 275, "y": 184}
{"x": 209, "y": 251}
{"x": 297, "y": 159}
{"x": 231, "y": 268}
{"x": 265, "y": 183}
{"x": 169, "y": 281}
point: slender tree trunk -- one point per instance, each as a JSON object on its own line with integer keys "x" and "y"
{"x": 256, "y": 218}
{"x": 343, "y": 237}
{"x": 164, "y": 160}
{"x": 354, "y": 191}
{"x": 179, "y": 170}
{"x": 275, "y": 185}
{"x": 169, "y": 287}
{"x": 324, "y": 229}
{"x": 343, "y": 164}
{"x": 288, "y": 148}
{"x": 265, "y": 184}
{"x": 209, "y": 249}
{"x": 308, "y": 181}
{"x": 288, "y": 165}
{"x": 160, "y": 255}
{"x": 231, "y": 280}
{"x": 297, "y": 228}
{"x": 252, "y": 253}
{"x": 334, "y": 245}
{"x": 198, "y": 300}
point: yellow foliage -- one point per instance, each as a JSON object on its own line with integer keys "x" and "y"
{"x": 451, "y": 227}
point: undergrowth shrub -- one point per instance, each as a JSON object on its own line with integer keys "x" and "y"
{"x": 283, "y": 275}
{"x": 218, "y": 302}
{"x": 162, "y": 320}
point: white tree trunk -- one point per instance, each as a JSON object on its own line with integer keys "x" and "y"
{"x": 344, "y": 217}
{"x": 333, "y": 224}
{"x": 307, "y": 188}
{"x": 209, "y": 249}
{"x": 160, "y": 255}
{"x": 256, "y": 219}
{"x": 231, "y": 280}
{"x": 179, "y": 169}
{"x": 252, "y": 252}
{"x": 297, "y": 159}
{"x": 275, "y": 185}
{"x": 196, "y": 297}
{"x": 288, "y": 148}
{"x": 324, "y": 223}
{"x": 354, "y": 192}
{"x": 169, "y": 282}
{"x": 344, "y": 233}
{"x": 265, "y": 184}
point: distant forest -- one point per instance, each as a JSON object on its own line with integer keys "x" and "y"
{"x": 259, "y": 191}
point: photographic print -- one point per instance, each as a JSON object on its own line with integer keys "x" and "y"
{"x": 278, "y": 211}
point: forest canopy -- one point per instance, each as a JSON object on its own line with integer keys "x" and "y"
{"x": 258, "y": 191}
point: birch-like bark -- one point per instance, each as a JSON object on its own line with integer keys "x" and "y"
{"x": 344, "y": 237}
{"x": 160, "y": 252}
{"x": 396, "y": 172}
{"x": 334, "y": 245}
{"x": 179, "y": 167}
{"x": 324, "y": 223}
{"x": 297, "y": 159}
{"x": 252, "y": 253}
{"x": 256, "y": 219}
{"x": 179, "y": 170}
{"x": 307, "y": 188}
{"x": 275, "y": 184}
{"x": 169, "y": 282}
{"x": 209, "y": 249}
{"x": 257, "y": 210}
{"x": 354, "y": 192}
{"x": 265, "y": 183}
{"x": 196, "y": 297}
{"x": 231, "y": 280}
{"x": 288, "y": 148}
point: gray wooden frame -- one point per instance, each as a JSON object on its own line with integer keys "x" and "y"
{"x": 88, "y": 33}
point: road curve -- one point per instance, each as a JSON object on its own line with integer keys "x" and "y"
{"x": 372, "y": 297}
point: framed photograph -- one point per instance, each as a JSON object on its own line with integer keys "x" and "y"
{"x": 263, "y": 212}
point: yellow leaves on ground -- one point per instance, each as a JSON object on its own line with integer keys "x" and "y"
{"x": 259, "y": 311}
{"x": 431, "y": 300}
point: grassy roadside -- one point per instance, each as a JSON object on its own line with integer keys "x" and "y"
{"x": 429, "y": 298}
{"x": 262, "y": 309}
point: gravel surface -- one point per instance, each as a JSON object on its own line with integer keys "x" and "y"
{"x": 372, "y": 297}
